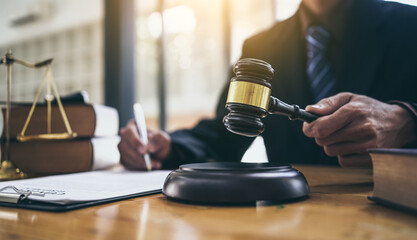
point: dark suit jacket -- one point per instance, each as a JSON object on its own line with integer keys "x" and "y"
{"x": 379, "y": 59}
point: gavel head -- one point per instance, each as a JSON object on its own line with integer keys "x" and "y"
{"x": 248, "y": 97}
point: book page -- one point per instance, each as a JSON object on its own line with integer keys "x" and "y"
{"x": 90, "y": 186}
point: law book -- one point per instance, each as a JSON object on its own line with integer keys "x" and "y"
{"x": 395, "y": 178}
{"x": 64, "y": 156}
{"x": 87, "y": 120}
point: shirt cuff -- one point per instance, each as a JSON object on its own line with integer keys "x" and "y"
{"x": 412, "y": 109}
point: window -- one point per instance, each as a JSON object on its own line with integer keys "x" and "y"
{"x": 201, "y": 39}
{"x": 75, "y": 43}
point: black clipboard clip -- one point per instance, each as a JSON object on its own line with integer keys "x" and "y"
{"x": 16, "y": 196}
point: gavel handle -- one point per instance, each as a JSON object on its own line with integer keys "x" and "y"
{"x": 293, "y": 112}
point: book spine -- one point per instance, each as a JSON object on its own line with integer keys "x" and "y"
{"x": 52, "y": 157}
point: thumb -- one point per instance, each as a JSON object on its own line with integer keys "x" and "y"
{"x": 329, "y": 105}
{"x": 159, "y": 144}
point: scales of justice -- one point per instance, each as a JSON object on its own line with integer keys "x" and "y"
{"x": 7, "y": 169}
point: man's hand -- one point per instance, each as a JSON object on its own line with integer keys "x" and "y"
{"x": 353, "y": 123}
{"x": 132, "y": 148}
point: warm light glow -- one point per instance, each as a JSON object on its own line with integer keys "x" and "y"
{"x": 180, "y": 19}
{"x": 11, "y": 216}
{"x": 409, "y": 2}
{"x": 155, "y": 24}
{"x": 285, "y": 8}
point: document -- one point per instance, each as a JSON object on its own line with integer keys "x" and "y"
{"x": 89, "y": 186}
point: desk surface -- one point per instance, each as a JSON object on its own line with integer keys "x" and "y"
{"x": 337, "y": 208}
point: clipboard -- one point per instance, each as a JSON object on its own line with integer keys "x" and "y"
{"x": 21, "y": 201}
{"x": 49, "y": 200}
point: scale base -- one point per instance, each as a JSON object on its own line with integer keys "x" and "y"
{"x": 9, "y": 172}
{"x": 234, "y": 183}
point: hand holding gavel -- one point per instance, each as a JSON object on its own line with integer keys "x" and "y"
{"x": 349, "y": 123}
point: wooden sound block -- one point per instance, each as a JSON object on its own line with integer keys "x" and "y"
{"x": 231, "y": 182}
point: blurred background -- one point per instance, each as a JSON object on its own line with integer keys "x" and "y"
{"x": 188, "y": 43}
{"x": 172, "y": 56}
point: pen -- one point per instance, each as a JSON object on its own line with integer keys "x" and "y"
{"x": 141, "y": 125}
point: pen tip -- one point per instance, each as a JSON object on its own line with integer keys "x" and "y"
{"x": 149, "y": 168}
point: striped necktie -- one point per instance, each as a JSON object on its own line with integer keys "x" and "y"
{"x": 318, "y": 69}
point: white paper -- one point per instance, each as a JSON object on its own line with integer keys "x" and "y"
{"x": 107, "y": 121}
{"x": 90, "y": 186}
{"x": 105, "y": 152}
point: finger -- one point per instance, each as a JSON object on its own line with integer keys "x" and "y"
{"x": 159, "y": 145}
{"x": 330, "y": 105}
{"x": 131, "y": 136}
{"x": 156, "y": 165}
{"x": 355, "y": 160}
{"x": 345, "y": 115}
{"x": 126, "y": 149}
{"x": 354, "y": 132}
{"x": 132, "y": 163}
{"x": 326, "y": 125}
{"x": 156, "y": 142}
{"x": 130, "y": 158}
{"x": 346, "y": 148}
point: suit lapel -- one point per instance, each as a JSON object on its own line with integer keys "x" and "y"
{"x": 290, "y": 79}
{"x": 291, "y": 84}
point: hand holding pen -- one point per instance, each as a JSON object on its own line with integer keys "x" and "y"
{"x": 141, "y": 125}
{"x": 133, "y": 148}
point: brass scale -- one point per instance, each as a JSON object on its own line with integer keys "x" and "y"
{"x": 7, "y": 169}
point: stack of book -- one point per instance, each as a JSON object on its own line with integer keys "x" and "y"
{"x": 95, "y": 146}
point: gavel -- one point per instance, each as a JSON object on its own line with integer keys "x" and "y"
{"x": 249, "y": 99}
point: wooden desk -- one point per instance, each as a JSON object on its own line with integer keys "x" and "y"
{"x": 337, "y": 208}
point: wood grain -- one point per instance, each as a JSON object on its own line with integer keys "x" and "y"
{"x": 337, "y": 208}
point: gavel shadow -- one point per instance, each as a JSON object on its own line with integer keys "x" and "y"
{"x": 363, "y": 187}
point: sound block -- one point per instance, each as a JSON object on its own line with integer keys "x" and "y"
{"x": 232, "y": 182}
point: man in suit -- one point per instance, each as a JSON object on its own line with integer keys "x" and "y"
{"x": 353, "y": 59}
